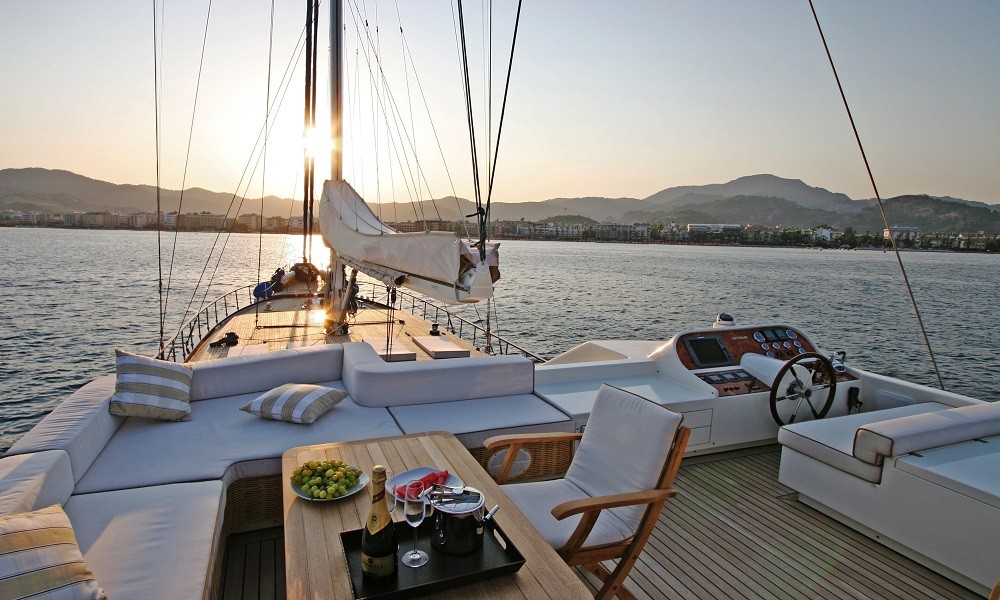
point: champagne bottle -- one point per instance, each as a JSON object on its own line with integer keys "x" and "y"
{"x": 379, "y": 546}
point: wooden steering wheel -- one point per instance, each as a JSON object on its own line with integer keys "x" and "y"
{"x": 809, "y": 380}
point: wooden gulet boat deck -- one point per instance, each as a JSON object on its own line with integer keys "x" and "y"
{"x": 296, "y": 321}
{"x": 733, "y": 531}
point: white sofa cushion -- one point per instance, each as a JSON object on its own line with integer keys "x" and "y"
{"x": 236, "y": 375}
{"x": 154, "y": 542}
{"x": 623, "y": 448}
{"x": 537, "y": 499}
{"x": 831, "y": 441}
{"x": 33, "y": 481}
{"x": 295, "y": 402}
{"x": 913, "y": 433}
{"x": 219, "y": 435}
{"x": 39, "y": 558}
{"x": 80, "y": 425}
{"x": 472, "y": 421}
{"x": 151, "y": 388}
{"x": 374, "y": 382}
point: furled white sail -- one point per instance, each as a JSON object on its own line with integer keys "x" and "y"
{"x": 435, "y": 263}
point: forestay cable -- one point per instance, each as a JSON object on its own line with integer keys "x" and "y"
{"x": 881, "y": 208}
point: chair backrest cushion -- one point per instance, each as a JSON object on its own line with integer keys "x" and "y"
{"x": 624, "y": 447}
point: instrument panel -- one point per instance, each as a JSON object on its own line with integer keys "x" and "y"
{"x": 726, "y": 347}
{"x": 720, "y": 348}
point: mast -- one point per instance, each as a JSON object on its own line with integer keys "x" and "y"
{"x": 336, "y": 83}
{"x": 337, "y": 284}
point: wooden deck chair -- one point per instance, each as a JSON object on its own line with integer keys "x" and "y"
{"x": 620, "y": 477}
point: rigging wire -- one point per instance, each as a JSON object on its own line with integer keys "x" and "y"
{"x": 437, "y": 138}
{"x": 286, "y": 82}
{"x": 159, "y": 212}
{"x": 394, "y": 112}
{"x": 263, "y": 168}
{"x": 187, "y": 156}
{"x": 480, "y": 212}
{"x": 503, "y": 110}
{"x": 878, "y": 197}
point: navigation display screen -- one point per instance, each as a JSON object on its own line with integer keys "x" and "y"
{"x": 769, "y": 335}
{"x": 708, "y": 352}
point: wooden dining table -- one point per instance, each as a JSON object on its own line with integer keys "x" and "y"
{"x": 315, "y": 563}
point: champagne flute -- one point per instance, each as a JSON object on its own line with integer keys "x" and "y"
{"x": 413, "y": 509}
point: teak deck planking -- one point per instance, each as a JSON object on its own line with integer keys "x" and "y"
{"x": 292, "y": 320}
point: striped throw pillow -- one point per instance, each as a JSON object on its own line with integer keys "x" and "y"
{"x": 295, "y": 403}
{"x": 150, "y": 388}
{"x": 39, "y": 558}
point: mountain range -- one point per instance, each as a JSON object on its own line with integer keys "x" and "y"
{"x": 765, "y": 200}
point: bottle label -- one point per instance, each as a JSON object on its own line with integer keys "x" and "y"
{"x": 378, "y": 566}
{"x": 375, "y": 524}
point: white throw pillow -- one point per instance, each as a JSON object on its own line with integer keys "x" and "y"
{"x": 150, "y": 388}
{"x": 39, "y": 557}
{"x": 295, "y": 402}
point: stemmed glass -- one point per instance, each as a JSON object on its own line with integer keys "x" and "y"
{"x": 413, "y": 509}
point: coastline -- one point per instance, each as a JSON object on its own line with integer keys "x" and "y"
{"x": 991, "y": 247}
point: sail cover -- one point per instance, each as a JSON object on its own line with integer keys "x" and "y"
{"x": 431, "y": 260}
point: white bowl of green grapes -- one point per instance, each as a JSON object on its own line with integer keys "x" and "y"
{"x": 324, "y": 480}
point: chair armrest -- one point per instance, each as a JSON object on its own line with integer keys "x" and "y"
{"x": 583, "y": 505}
{"x": 499, "y": 441}
{"x": 591, "y": 509}
{"x": 514, "y": 442}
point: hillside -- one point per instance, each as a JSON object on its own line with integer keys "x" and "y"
{"x": 765, "y": 200}
{"x": 771, "y": 186}
{"x": 929, "y": 214}
{"x": 48, "y": 190}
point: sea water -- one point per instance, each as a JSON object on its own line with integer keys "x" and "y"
{"x": 73, "y": 296}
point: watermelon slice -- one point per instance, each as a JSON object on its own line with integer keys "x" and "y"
{"x": 435, "y": 478}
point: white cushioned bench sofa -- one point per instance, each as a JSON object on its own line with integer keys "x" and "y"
{"x": 152, "y": 501}
{"x": 923, "y": 479}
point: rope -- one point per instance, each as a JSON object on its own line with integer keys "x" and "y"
{"x": 881, "y": 207}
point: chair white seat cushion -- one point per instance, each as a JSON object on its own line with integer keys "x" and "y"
{"x": 154, "y": 542}
{"x": 537, "y": 499}
{"x": 623, "y": 449}
{"x": 831, "y": 441}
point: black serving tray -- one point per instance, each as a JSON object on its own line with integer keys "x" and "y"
{"x": 442, "y": 571}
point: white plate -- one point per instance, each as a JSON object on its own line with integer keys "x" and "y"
{"x": 362, "y": 482}
{"x": 405, "y": 476}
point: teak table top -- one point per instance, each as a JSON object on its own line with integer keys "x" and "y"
{"x": 314, "y": 557}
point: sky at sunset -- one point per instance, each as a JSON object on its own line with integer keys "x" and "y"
{"x": 606, "y": 99}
